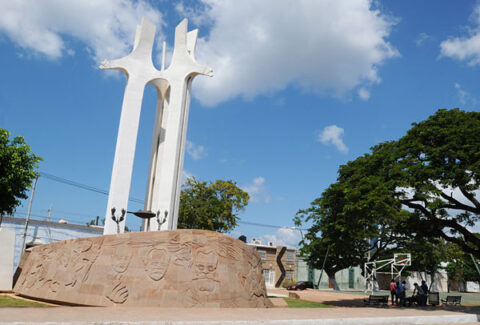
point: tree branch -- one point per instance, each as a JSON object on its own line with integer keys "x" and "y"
{"x": 417, "y": 206}
{"x": 457, "y": 205}
{"x": 471, "y": 197}
{"x": 460, "y": 243}
{"x": 461, "y": 229}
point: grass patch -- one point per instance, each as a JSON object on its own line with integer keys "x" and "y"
{"x": 298, "y": 303}
{"x": 8, "y": 301}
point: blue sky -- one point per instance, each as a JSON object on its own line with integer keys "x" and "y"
{"x": 300, "y": 87}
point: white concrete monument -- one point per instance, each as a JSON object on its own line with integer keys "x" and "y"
{"x": 168, "y": 148}
{"x": 7, "y": 252}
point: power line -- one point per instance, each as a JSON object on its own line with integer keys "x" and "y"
{"x": 268, "y": 226}
{"x": 97, "y": 190}
{"x": 82, "y": 186}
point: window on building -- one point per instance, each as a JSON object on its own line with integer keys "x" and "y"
{"x": 263, "y": 254}
{"x": 288, "y": 275}
{"x": 290, "y": 257}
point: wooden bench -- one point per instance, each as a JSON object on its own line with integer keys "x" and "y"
{"x": 376, "y": 300}
{"x": 452, "y": 300}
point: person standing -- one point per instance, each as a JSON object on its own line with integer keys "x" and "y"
{"x": 393, "y": 290}
{"x": 425, "y": 293}
{"x": 397, "y": 292}
{"x": 402, "y": 293}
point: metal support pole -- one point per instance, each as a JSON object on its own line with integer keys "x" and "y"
{"x": 323, "y": 266}
{"x": 476, "y": 265}
{"x": 28, "y": 215}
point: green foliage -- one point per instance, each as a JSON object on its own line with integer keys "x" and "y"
{"x": 17, "y": 171}
{"x": 401, "y": 195}
{"x": 460, "y": 265}
{"x": 210, "y": 206}
{"x": 288, "y": 282}
{"x": 343, "y": 235}
{"x": 9, "y": 301}
{"x": 440, "y": 163}
{"x": 348, "y": 228}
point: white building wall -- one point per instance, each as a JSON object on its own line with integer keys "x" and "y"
{"x": 342, "y": 277}
{"x": 472, "y": 286}
{"x": 440, "y": 280}
{"x": 45, "y": 231}
{"x": 440, "y": 283}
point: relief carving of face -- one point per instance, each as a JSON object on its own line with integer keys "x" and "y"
{"x": 121, "y": 259}
{"x": 205, "y": 264}
{"x": 156, "y": 264}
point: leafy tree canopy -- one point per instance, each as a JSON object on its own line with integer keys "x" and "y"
{"x": 210, "y": 206}
{"x": 460, "y": 266}
{"x": 433, "y": 172}
{"x": 17, "y": 171}
{"x": 345, "y": 232}
{"x": 420, "y": 187}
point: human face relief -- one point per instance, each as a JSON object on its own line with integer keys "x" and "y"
{"x": 205, "y": 265}
{"x": 121, "y": 259}
{"x": 157, "y": 263}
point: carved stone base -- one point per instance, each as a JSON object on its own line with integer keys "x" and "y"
{"x": 181, "y": 268}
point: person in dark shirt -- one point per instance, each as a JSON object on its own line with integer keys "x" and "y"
{"x": 417, "y": 296}
{"x": 397, "y": 292}
{"x": 402, "y": 293}
{"x": 425, "y": 294}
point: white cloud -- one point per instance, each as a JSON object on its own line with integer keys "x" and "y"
{"x": 196, "y": 151}
{"x": 422, "y": 38}
{"x": 466, "y": 48}
{"x": 464, "y": 97}
{"x": 364, "y": 94}
{"x": 185, "y": 175}
{"x": 333, "y": 135}
{"x": 325, "y": 47}
{"x": 106, "y": 27}
{"x": 257, "y": 190}
{"x": 284, "y": 237}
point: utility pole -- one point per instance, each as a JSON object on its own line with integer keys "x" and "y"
{"x": 49, "y": 213}
{"x": 28, "y": 215}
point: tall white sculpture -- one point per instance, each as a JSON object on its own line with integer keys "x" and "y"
{"x": 168, "y": 145}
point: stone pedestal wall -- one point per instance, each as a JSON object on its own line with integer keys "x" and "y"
{"x": 180, "y": 268}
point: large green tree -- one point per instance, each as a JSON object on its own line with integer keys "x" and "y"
{"x": 439, "y": 160}
{"x": 430, "y": 176}
{"x": 211, "y": 206}
{"x": 17, "y": 171}
{"x": 347, "y": 232}
{"x": 424, "y": 185}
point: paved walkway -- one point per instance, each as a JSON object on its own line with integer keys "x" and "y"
{"x": 346, "y": 314}
{"x": 276, "y": 316}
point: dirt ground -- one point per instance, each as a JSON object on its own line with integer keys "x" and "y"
{"x": 331, "y": 298}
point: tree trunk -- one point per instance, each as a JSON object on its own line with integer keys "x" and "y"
{"x": 332, "y": 280}
{"x": 432, "y": 279}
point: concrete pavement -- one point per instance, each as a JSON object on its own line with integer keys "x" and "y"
{"x": 232, "y": 316}
{"x": 349, "y": 311}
